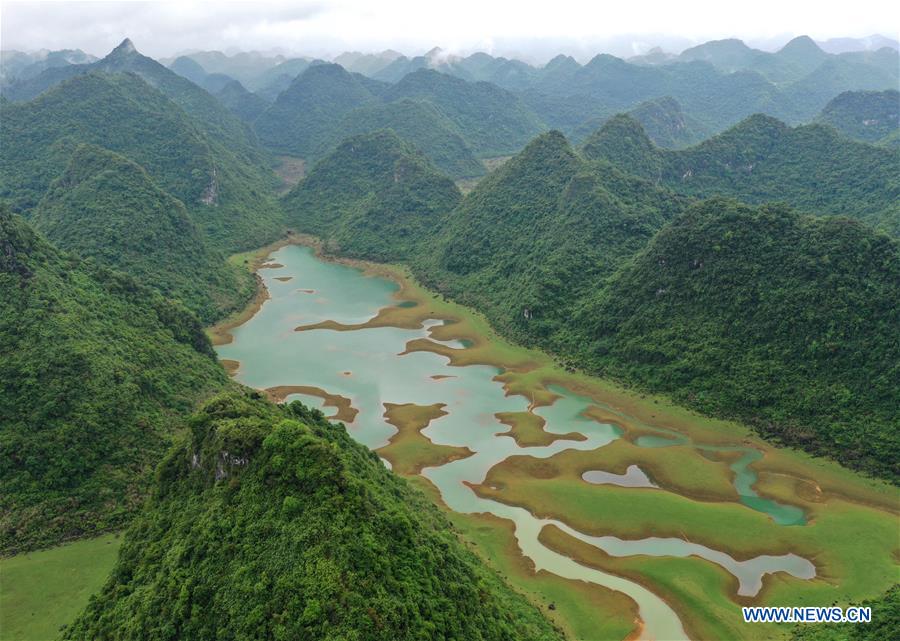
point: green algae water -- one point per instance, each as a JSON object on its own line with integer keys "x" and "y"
{"x": 367, "y": 367}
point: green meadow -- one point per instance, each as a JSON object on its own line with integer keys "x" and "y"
{"x": 42, "y": 591}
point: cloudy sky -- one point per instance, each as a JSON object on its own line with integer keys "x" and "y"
{"x": 528, "y": 29}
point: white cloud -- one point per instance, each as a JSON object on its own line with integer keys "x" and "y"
{"x": 533, "y": 29}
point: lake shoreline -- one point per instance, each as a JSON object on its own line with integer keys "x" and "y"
{"x": 531, "y": 374}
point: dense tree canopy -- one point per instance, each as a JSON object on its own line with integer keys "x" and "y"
{"x": 763, "y": 160}
{"x": 191, "y": 144}
{"x": 108, "y": 208}
{"x": 787, "y": 322}
{"x": 869, "y": 116}
{"x": 270, "y": 523}
{"x": 374, "y": 196}
{"x": 95, "y": 374}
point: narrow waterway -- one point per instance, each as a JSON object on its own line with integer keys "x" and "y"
{"x": 366, "y": 366}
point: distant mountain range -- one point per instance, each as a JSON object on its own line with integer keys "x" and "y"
{"x": 763, "y": 160}
{"x": 708, "y": 88}
{"x": 128, "y": 103}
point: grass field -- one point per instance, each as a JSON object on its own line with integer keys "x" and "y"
{"x": 44, "y": 590}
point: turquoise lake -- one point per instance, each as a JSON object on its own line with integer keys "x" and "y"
{"x": 366, "y": 367}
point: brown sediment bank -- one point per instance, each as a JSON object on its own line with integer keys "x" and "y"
{"x": 537, "y": 485}
{"x": 284, "y": 279}
{"x": 527, "y": 429}
{"x": 530, "y": 373}
{"x": 270, "y": 266}
{"x": 679, "y": 469}
{"x": 220, "y": 333}
{"x": 477, "y": 354}
{"x": 345, "y": 410}
{"x": 441, "y": 377}
{"x": 231, "y": 366}
{"x": 409, "y": 451}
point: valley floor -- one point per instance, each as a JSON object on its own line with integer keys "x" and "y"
{"x": 42, "y": 591}
{"x": 708, "y": 491}
{"x": 700, "y": 493}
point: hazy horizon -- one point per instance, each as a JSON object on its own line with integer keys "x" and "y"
{"x": 327, "y": 29}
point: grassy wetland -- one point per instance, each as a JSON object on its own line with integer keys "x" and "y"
{"x": 522, "y": 431}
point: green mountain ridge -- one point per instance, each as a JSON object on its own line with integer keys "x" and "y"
{"x": 418, "y": 122}
{"x": 245, "y": 105}
{"x": 493, "y": 121}
{"x": 374, "y": 196}
{"x": 228, "y": 198}
{"x": 270, "y": 522}
{"x": 762, "y": 159}
{"x": 446, "y": 117}
{"x": 540, "y": 233}
{"x": 566, "y": 95}
{"x": 107, "y": 208}
{"x": 302, "y": 118}
{"x": 663, "y": 120}
{"x": 867, "y": 116}
{"x": 95, "y": 374}
{"x": 787, "y": 322}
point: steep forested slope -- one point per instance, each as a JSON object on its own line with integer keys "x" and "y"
{"x": 762, "y": 159}
{"x": 243, "y": 104}
{"x": 663, "y": 120}
{"x": 94, "y": 372}
{"x": 108, "y": 208}
{"x": 870, "y": 116}
{"x": 493, "y": 121}
{"x": 420, "y": 123}
{"x": 271, "y": 523}
{"x": 226, "y": 196}
{"x": 540, "y": 233}
{"x": 787, "y": 322}
{"x": 303, "y": 117}
{"x": 374, "y": 196}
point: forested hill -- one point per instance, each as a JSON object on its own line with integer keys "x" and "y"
{"x": 268, "y": 522}
{"x": 303, "y": 117}
{"x": 419, "y": 122}
{"x": 96, "y": 371}
{"x": 108, "y": 208}
{"x": 539, "y": 233}
{"x": 210, "y": 115}
{"x": 762, "y": 159}
{"x": 227, "y": 196}
{"x": 245, "y": 105}
{"x": 663, "y": 120}
{"x": 449, "y": 119}
{"x": 870, "y": 116}
{"x": 374, "y": 196}
{"x": 784, "y": 321}
{"x": 493, "y": 121}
